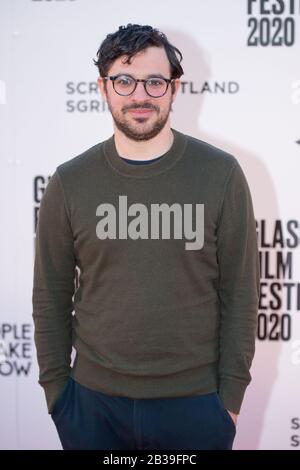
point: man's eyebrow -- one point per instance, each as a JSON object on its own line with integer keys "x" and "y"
{"x": 154, "y": 75}
{"x": 151, "y": 75}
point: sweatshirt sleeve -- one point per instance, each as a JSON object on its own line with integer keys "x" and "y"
{"x": 238, "y": 260}
{"x": 53, "y": 289}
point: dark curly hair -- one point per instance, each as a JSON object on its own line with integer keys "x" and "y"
{"x": 133, "y": 38}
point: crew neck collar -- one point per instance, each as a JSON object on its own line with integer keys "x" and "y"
{"x": 167, "y": 160}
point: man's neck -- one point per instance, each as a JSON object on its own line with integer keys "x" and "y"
{"x": 144, "y": 150}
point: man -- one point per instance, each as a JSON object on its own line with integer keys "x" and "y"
{"x": 161, "y": 227}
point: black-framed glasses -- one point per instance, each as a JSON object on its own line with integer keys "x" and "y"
{"x": 125, "y": 85}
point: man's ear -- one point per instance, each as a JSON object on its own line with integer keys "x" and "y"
{"x": 102, "y": 88}
{"x": 176, "y": 85}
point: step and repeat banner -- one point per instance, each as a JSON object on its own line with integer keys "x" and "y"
{"x": 240, "y": 91}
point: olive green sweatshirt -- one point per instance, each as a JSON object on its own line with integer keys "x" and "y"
{"x": 167, "y": 300}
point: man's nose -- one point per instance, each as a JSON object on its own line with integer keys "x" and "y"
{"x": 140, "y": 92}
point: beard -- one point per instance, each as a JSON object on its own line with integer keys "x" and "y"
{"x": 138, "y": 132}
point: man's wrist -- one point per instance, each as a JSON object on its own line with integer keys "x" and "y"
{"x": 234, "y": 416}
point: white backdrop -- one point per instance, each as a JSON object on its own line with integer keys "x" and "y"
{"x": 241, "y": 92}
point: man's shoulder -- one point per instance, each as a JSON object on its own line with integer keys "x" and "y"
{"x": 82, "y": 162}
{"x": 209, "y": 152}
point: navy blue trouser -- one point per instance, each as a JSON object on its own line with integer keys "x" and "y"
{"x": 87, "y": 419}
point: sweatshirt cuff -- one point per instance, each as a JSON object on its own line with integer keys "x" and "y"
{"x": 232, "y": 394}
{"x": 52, "y": 391}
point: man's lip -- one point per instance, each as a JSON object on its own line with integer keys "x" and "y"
{"x": 141, "y": 111}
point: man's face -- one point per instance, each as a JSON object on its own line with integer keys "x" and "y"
{"x": 139, "y": 116}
